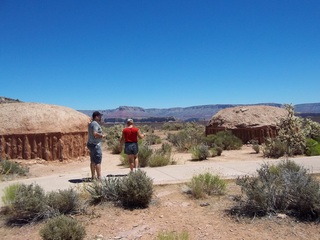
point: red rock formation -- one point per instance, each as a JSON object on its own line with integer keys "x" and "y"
{"x": 33, "y": 130}
{"x": 247, "y": 122}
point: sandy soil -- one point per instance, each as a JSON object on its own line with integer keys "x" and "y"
{"x": 171, "y": 210}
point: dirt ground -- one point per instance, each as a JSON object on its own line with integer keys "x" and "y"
{"x": 170, "y": 210}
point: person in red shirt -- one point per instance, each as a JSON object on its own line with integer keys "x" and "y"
{"x": 130, "y": 136}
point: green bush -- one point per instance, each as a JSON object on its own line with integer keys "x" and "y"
{"x": 283, "y": 188}
{"x": 256, "y": 148}
{"x": 311, "y": 129}
{"x": 152, "y": 139}
{"x": 171, "y": 126}
{"x": 189, "y": 136}
{"x": 136, "y": 190}
{"x": 200, "y": 152}
{"x": 144, "y": 154}
{"x": 213, "y": 152}
{"x": 9, "y": 194}
{"x": 107, "y": 189}
{"x": 63, "y": 201}
{"x": 10, "y": 167}
{"x": 115, "y": 146}
{"x": 291, "y": 132}
{"x": 312, "y": 147}
{"x": 161, "y": 157}
{"x": 62, "y": 228}
{"x": 113, "y": 136}
{"x": 124, "y": 159}
{"x": 29, "y": 204}
{"x": 274, "y": 148}
{"x": 225, "y": 140}
{"x": 206, "y": 184}
{"x": 133, "y": 191}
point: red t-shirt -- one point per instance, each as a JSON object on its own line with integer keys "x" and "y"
{"x": 130, "y": 134}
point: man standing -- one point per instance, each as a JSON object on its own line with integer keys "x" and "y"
{"x": 95, "y": 136}
{"x": 130, "y": 136}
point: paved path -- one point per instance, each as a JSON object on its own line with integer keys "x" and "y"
{"x": 169, "y": 174}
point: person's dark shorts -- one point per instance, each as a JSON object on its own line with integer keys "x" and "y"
{"x": 95, "y": 153}
{"x": 131, "y": 148}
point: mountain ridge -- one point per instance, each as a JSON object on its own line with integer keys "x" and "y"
{"x": 192, "y": 113}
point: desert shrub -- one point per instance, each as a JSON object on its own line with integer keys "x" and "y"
{"x": 173, "y": 236}
{"x": 312, "y": 147}
{"x": 283, "y": 188}
{"x": 107, "y": 189}
{"x": 113, "y": 136}
{"x": 63, "y": 201}
{"x": 225, "y": 140}
{"x": 209, "y": 140}
{"x": 213, "y": 152}
{"x": 124, "y": 159}
{"x": 9, "y": 193}
{"x": 11, "y": 167}
{"x": 29, "y": 204}
{"x": 189, "y": 136}
{"x": 62, "y": 227}
{"x": 219, "y": 151}
{"x": 161, "y": 157}
{"x": 200, "y": 152}
{"x": 311, "y": 129}
{"x": 291, "y": 132}
{"x": 274, "y": 148}
{"x": 166, "y": 148}
{"x": 114, "y": 146}
{"x": 144, "y": 154}
{"x": 152, "y": 139}
{"x": 136, "y": 190}
{"x": 206, "y": 184}
{"x": 147, "y": 129}
{"x": 170, "y": 126}
{"x": 256, "y": 148}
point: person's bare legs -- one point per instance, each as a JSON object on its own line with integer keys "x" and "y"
{"x": 98, "y": 170}
{"x": 136, "y": 162}
{"x": 131, "y": 162}
{"x": 93, "y": 170}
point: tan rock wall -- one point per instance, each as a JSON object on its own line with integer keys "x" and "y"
{"x": 48, "y": 146}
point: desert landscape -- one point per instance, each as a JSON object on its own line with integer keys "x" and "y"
{"x": 171, "y": 210}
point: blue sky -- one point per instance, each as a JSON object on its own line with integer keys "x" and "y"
{"x": 102, "y": 54}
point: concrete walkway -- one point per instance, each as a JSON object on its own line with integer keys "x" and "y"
{"x": 167, "y": 175}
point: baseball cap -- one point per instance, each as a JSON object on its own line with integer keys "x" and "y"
{"x": 96, "y": 113}
{"x": 129, "y": 120}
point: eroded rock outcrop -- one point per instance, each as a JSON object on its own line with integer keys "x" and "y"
{"x": 34, "y": 130}
{"x": 247, "y": 122}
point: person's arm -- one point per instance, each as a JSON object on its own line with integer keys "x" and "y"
{"x": 96, "y": 132}
{"x": 140, "y": 135}
{"x": 98, "y": 135}
{"x": 122, "y": 140}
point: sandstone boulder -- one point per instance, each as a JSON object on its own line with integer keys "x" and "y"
{"x": 247, "y": 122}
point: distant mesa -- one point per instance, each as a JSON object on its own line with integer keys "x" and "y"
{"x": 193, "y": 113}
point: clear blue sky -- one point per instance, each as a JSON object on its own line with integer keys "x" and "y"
{"x": 102, "y": 54}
